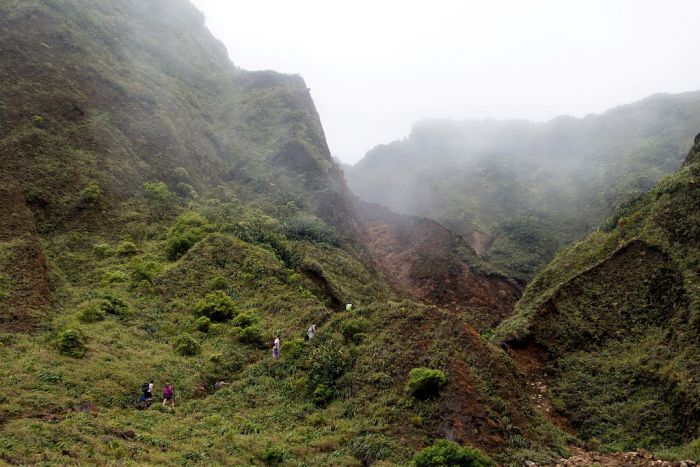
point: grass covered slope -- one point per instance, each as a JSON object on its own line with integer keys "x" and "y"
{"x": 101, "y": 99}
{"x": 519, "y": 190}
{"x": 619, "y": 314}
{"x": 127, "y": 313}
{"x": 169, "y": 214}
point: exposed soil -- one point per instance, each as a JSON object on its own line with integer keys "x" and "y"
{"x": 28, "y": 294}
{"x": 531, "y": 359}
{"x": 426, "y": 261}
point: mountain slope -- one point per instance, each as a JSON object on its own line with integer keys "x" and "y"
{"x": 526, "y": 189}
{"x": 165, "y": 215}
{"x": 618, "y": 317}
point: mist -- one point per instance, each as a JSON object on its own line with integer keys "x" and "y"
{"x": 375, "y": 68}
{"x": 526, "y": 189}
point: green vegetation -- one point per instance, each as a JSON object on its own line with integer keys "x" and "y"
{"x": 214, "y": 220}
{"x": 71, "y": 343}
{"x": 619, "y": 313}
{"x": 425, "y": 382}
{"x": 445, "y": 453}
{"x": 90, "y": 195}
{"x": 188, "y": 229}
{"x": 354, "y": 329}
{"x": 217, "y": 306}
{"x": 529, "y": 188}
{"x": 187, "y": 345}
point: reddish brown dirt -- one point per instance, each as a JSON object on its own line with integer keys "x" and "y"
{"x": 424, "y": 260}
{"x": 29, "y": 293}
{"x": 464, "y": 412}
{"x": 531, "y": 360}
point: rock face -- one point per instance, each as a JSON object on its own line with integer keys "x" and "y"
{"x": 424, "y": 260}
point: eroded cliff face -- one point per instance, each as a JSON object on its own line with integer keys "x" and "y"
{"x": 425, "y": 261}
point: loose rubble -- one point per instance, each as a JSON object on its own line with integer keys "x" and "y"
{"x": 639, "y": 458}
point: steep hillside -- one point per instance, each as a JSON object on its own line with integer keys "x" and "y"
{"x": 165, "y": 215}
{"x": 519, "y": 190}
{"x": 100, "y": 99}
{"x": 429, "y": 263}
{"x": 617, "y": 319}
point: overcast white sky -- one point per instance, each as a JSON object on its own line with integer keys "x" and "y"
{"x": 376, "y": 66}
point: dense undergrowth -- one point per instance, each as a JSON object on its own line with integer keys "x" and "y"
{"x": 619, "y": 314}
{"x": 130, "y": 311}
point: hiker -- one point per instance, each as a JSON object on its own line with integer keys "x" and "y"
{"x": 147, "y": 392}
{"x": 219, "y": 384}
{"x": 311, "y": 332}
{"x": 276, "y": 348}
{"x": 168, "y": 395}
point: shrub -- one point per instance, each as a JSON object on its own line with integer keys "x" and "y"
{"x": 143, "y": 271}
{"x": 113, "y": 305}
{"x": 371, "y": 448}
{"x": 381, "y": 380}
{"x": 160, "y": 198}
{"x": 218, "y": 283}
{"x": 311, "y": 229}
{"x": 71, "y": 343}
{"x": 424, "y": 382}
{"x": 111, "y": 277}
{"x": 353, "y": 327}
{"x": 187, "y": 230}
{"x": 181, "y": 174}
{"x": 322, "y": 395}
{"x": 445, "y": 453}
{"x": 252, "y": 335}
{"x": 217, "y": 306}
{"x": 293, "y": 349}
{"x": 245, "y": 320}
{"x": 91, "y": 314}
{"x": 102, "y": 250}
{"x": 185, "y": 190}
{"x": 126, "y": 249}
{"x": 328, "y": 363}
{"x": 203, "y": 324}
{"x": 274, "y": 455}
{"x": 186, "y": 345}
{"x": 90, "y": 195}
